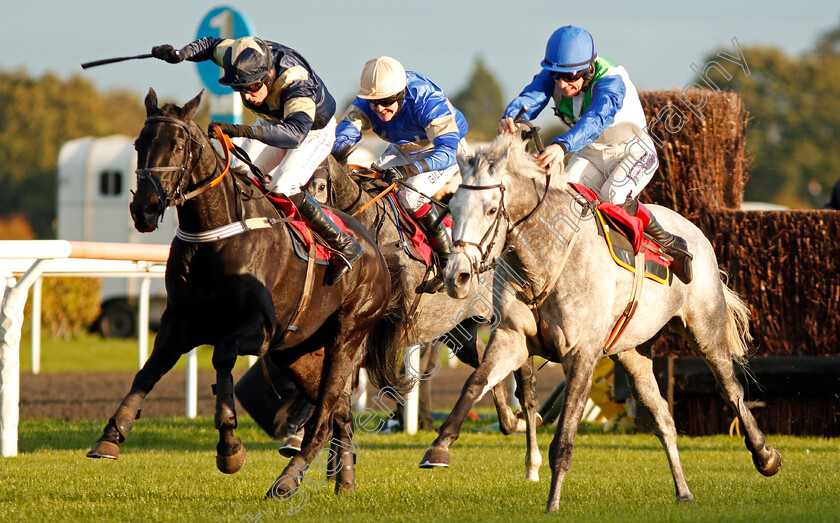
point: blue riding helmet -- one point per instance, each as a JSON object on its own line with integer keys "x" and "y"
{"x": 569, "y": 49}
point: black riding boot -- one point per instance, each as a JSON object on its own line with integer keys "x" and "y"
{"x": 348, "y": 249}
{"x": 440, "y": 242}
{"x": 674, "y": 246}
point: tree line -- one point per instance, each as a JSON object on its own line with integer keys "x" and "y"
{"x": 793, "y": 135}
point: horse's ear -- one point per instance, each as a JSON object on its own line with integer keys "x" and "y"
{"x": 151, "y": 102}
{"x": 501, "y": 161}
{"x": 191, "y": 107}
{"x": 465, "y": 161}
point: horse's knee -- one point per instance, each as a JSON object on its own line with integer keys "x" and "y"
{"x": 560, "y": 456}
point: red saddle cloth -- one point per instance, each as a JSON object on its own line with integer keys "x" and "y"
{"x": 289, "y": 210}
{"x": 418, "y": 236}
{"x": 631, "y": 226}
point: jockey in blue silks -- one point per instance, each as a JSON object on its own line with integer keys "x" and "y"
{"x": 604, "y": 129}
{"x": 425, "y": 133}
{"x": 295, "y": 129}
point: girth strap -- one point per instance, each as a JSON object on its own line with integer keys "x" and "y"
{"x": 227, "y": 231}
{"x": 627, "y": 315}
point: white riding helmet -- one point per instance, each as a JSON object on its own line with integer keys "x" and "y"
{"x": 382, "y": 77}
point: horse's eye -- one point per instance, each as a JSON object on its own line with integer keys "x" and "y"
{"x": 492, "y": 211}
{"x": 180, "y": 148}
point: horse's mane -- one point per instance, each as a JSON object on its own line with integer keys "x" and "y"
{"x": 506, "y": 151}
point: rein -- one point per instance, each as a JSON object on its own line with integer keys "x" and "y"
{"x": 492, "y": 231}
{"x": 482, "y": 266}
{"x": 178, "y": 197}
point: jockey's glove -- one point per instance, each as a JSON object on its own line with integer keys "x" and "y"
{"x": 392, "y": 174}
{"x": 233, "y": 130}
{"x": 168, "y": 53}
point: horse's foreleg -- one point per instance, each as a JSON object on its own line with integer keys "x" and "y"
{"x": 526, "y": 391}
{"x": 578, "y": 382}
{"x": 338, "y": 364}
{"x": 643, "y": 384}
{"x": 505, "y": 354}
{"x": 247, "y": 339}
{"x": 230, "y": 453}
{"x": 343, "y": 456}
{"x": 508, "y": 421}
{"x": 164, "y": 356}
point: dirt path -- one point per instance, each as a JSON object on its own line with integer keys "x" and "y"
{"x": 95, "y": 395}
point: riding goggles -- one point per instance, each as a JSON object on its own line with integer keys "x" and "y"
{"x": 567, "y": 76}
{"x": 387, "y": 102}
{"x": 249, "y": 88}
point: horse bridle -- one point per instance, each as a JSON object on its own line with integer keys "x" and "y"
{"x": 480, "y": 266}
{"x": 177, "y": 196}
{"x": 492, "y": 231}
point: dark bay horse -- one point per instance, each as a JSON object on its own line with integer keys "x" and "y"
{"x": 435, "y": 318}
{"x": 569, "y": 295}
{"x": 237, "y": 288}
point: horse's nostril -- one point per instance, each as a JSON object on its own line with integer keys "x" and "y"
{"x": 462, "y": 279}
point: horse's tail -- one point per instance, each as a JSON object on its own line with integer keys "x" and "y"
{"x": 386, "y": 341}
{"x": 738, "y": 335}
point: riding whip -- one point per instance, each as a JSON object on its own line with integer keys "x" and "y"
{"x": 114, "y": 60}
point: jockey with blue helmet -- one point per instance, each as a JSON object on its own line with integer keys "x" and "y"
{"x": 295, "y": 128}
{"x": 604, "y": 129}
{"x": 424, "y": 132}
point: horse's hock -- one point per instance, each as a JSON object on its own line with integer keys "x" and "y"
{"x": 783, "y": 263}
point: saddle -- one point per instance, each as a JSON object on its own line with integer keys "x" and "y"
{"x": 413, "y": 238}
{"x": 624, "y": 236}
{"x": 300, "y": 232}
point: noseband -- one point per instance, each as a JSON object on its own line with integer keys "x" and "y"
{"x": 177, "y": 196}
{"x": 480, "y": 266}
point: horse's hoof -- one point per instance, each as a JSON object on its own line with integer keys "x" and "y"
{"x": 771, "y": 465}
{"x": 435, "y": 457}
{"x": 520, "y": 421}
{"x": 532, "y": 475}
{"x": 292, "y": 446}
{"x": 345, "y": 486}
{"x": 104, "y": 449}
{"x": 283, "y": 487}
{"x": 231, "y": 464}
{"x": 686, "y": 498}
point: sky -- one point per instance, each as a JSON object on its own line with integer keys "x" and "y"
{"x": 656, "y": 41}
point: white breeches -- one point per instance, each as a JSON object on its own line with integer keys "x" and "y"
{"x": 290, "y": 169}
{"x": 616, "y": 173}
{"x": 424, "y": 184}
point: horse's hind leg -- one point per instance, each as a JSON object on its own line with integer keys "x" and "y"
{"x": 169, "y": 346}
{"x": 643, "y": 384}
{"x": 766, "y": 459}
{"x": 720, "y": 336}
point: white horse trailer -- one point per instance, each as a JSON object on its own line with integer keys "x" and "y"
{"x": 95, "y": 179}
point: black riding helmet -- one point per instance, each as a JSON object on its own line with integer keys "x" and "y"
{"x": 246, "y": 61}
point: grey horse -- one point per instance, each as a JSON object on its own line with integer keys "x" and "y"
{"x": 439, "y": 318}
{"x": 558, "y": 264}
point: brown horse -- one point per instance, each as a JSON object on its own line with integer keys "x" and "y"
{"x": 237, "y": 287}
